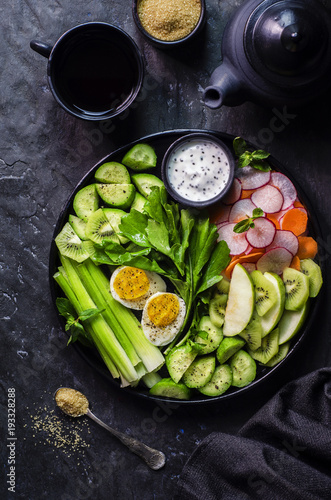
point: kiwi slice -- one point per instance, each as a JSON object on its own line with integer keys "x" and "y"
{"x": 99, "y": 229}
{"x": 243, "y": 368}
{"x": 217, "y": 308}
{"x": 112, "y": 172}
{"x": 219, "y": 383}
{"x": 265, "y": 293}
{"x": 296, "y": 289}
{"x": 314, "y": 273}
{"x": 282, "y": 352}
{"x": 228, "y": 347}
{"x": 70, "y": 245}
{"x": 253, "y": 332}
{"x": 86, "y": 201}
{"x": 223, "y": 286}
{"x": 269, "y": 347}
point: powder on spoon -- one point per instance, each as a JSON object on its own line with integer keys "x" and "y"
{"x": 72, "y": 402}
{"x": 169, "y": 20}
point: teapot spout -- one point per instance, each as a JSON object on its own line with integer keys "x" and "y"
{"x": 224, "y": 88}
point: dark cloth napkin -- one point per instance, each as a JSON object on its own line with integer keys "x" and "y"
{"x": 283, "y": 452}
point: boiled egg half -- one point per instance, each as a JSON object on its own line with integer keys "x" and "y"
{"x": 162, "y": 318}
{"x": 132, "y": 286}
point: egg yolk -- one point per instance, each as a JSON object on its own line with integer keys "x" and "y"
{"x": 131, "y": 283}
{"x": 163, "y": 309}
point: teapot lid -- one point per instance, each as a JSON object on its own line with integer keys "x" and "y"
{"x": 286, "y": 41}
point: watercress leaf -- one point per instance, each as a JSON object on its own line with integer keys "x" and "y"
{"x": 260, "y": 154}
{"x": 245, "y": 159}
{"x": 241, "y": 226}
{"x": 257, "y": 212}
{"x": 218, "y": 261}
{"x": 89, "y": 313}
{"x": 65, "y": 307}
{"x": 133, "y": 226}
{"x": 260, "y": 165}
{"x": 158, "y": 236}
{"x": 239, "y": 146}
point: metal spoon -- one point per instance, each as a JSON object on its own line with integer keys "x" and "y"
{"x": 75, "y": 404}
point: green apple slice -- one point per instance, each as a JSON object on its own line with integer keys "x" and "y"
{"x": 241, "y": 300}
{"x": 272, "y": 317}
{"x": 291, "y": 322}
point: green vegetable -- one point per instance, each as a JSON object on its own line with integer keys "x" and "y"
{"x": 255, "y": 159}
{"x": 246, "y": 224}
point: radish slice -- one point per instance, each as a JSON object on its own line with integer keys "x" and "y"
{"x": 268, "y": 198}
{"x": 223, "y": 213}
{"x": 285, "y": 239}
{"x": 249, "y": 266}
{"x": 236, "y": 242}
{"x": 262, "y": 234}
{"x": 251, "y": 178}
{"x": 274, "y": 260}
{"x": 241, "y": 210}
{"x": 233, "y": 194}
{"x": 286, "y": 187}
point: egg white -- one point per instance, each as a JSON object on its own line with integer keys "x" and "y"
{"x": 159, "y": 335}
{"x": 156, "y": 284}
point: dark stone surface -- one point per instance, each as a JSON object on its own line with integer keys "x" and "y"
{"x": 43, "y": 154}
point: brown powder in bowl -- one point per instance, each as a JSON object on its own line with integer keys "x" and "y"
{"x": 72, "y": 402}
{"x": 169, "y": 20}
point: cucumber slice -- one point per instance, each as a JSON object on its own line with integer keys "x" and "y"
{"x": 228, "y": 347}
{"x": 213, "y": 338}
{"x": 178, "y": 360}
{"x": 291, "y": 322}
{"x": 240, "y": 305}
{"x": 140, "y": 157}
{"x": 219, "y": 383}
{"x": 200, "y": 372}
{"x": 145, "y": 182}
{"x": 138, "y": 202}
{"x": 167, "y": 388}
{"x": 78, "y": 225}
{"x": 86, "y": 201}
{"x": 114, "y": 215}
{"x": 116, "y": 195}
{"x": 243, "y": 369}
{"x": 112, "y": 173}
{"x": 272, "y": 317}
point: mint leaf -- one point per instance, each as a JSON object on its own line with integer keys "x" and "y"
{"x": 260, "y": 154}
{"x": 255, "y": 159}
{"x": 65, "y": 307}
{"x": 239, "y": 146}
{"x": 89, "y": 313}
{"x": 245, "y": 224}
{"x": 260, "y": 165}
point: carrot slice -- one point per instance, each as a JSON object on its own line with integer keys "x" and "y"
{"x": 246, "y": 193}
{"x": 239, "y": 259}
{"x": 307, "y": 247}
{"x": 274, "y": 219}
{"x": 295, "y": 220}
{"x": 298, "y": 204}
{"x": 295, "y": 264}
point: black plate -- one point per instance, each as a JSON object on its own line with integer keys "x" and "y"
{"x": 161, "y": 142}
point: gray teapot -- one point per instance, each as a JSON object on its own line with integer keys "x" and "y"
{"x": 275, "y": 52}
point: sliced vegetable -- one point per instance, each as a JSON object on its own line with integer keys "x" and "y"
{"x": 295, "y": 220}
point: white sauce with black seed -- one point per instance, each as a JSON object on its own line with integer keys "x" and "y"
{"x": 198, "y": 170}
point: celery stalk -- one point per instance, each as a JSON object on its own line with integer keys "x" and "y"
{"x": 150, "y": 355}
{"x": 66, "y": 288}
{"x": 111, "y": 319}
{"x": 101, "y": 330}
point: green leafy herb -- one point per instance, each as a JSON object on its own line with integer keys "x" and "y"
{"x": 246, "y": 224}
{"x": 77, "y": 331}
{"x": 255, "y": 159}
